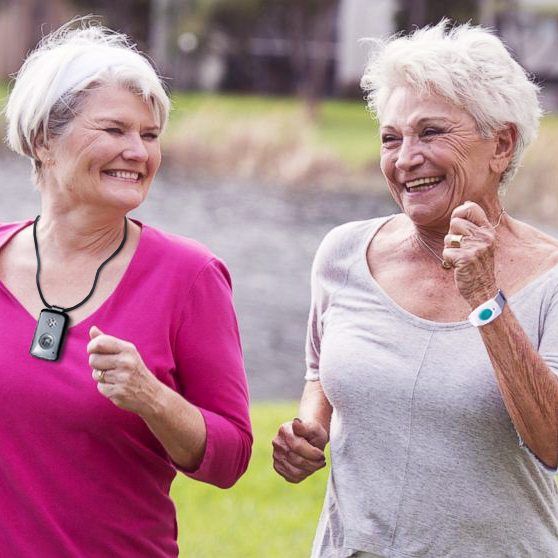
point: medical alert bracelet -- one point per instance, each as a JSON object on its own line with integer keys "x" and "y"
{"x": 488, "y": 311}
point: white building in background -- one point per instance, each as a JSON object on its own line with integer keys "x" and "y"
{"x": 528, "y": 27}
{"x": 359, "y": 19}
{"x": 531, "y": 31}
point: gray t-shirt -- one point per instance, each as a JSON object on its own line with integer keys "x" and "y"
{"x": 425, "y": 461}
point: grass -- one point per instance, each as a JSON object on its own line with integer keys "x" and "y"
{"x": 262, "y": 515}
{"x": 350, "y": 131}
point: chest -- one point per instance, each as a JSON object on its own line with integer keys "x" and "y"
{"x": 381, "y": 363}
{"x": 63, "y": 284}
{"x": 422, "y": 290}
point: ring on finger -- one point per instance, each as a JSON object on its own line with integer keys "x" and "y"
{"x": 102, "y": 376}
{"x": 455, "y": 240}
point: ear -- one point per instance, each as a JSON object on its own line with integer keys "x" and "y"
{"x": 505, "y": 141}
{"x": 41, "y": 148}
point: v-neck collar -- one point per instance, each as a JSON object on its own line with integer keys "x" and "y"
{"x": 19, "y": 226}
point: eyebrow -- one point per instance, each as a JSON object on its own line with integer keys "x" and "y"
{"x": 121, "y": 124}
{"x": 425, "y": 120}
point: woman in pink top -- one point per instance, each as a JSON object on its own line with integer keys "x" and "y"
{"x": 120, "y": 356}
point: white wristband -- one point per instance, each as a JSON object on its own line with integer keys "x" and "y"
{"x": 488, "y": 311}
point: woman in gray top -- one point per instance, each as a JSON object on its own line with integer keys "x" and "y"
{"x": 432, "y": 353}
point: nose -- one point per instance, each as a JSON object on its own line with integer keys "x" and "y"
{"x": 135, "y": 149}
{"x": 409, "y": 155}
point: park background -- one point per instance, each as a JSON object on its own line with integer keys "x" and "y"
{"x": 269, "y": 146}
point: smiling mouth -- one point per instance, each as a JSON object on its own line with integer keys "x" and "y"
{"x": 423, "y": 184}
{"x": 126, "y": 175}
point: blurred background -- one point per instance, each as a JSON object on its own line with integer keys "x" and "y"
{"x": 269, "y": 146}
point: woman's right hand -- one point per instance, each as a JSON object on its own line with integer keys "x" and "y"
{"x": 298, "y": 449}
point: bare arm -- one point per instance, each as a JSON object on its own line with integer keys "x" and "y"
{"x": 130, "y": 385}
{"x": 528, "y": 386}
{"x": 179, "y": 426}
{"x": 314, "y": 405}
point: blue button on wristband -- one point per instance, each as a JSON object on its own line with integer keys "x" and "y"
{"x": 488, "y": 311}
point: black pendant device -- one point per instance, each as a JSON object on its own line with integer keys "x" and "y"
{"x": 54, "y": 321}
{"x": 49, "y": 334}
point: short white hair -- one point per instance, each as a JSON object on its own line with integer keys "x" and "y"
{"x": 54, "y": 79}
{"x": 466, "y": 65}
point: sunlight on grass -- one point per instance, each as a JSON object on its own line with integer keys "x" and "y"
{"x": 262, "y": 515}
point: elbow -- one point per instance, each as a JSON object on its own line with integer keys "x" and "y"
{"x": 238, "y": 465}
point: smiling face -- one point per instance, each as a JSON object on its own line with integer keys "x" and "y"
{"x": 434, "y": 158}
{"x": 107, "y": 156}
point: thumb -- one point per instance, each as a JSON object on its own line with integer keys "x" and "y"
{"x": 95, "y": 332}
{"x": 313, "y": 432}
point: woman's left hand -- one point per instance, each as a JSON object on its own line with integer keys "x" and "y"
{"x": 121, "y": 374}
{"x": 473, "y": 260}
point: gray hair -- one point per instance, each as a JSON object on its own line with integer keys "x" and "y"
{"x": 466, "y": 65}
{"x": 54, "y": 79}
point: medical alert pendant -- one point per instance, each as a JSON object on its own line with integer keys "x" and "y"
{"x": 49, "y": 334}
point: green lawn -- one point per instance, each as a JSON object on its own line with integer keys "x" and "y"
{"x": 262, "y": 515}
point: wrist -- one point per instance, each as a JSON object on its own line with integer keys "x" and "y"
{"x": 488, "y": 310}
{"x": 480, "y": 297}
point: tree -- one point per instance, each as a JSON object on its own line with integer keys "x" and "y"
{"x": 417, "y": 13}
{"x": 289, "y": 44}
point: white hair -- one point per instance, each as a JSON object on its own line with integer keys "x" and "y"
{"x": 54, "y": 79}
{"x": 466, "y": 65}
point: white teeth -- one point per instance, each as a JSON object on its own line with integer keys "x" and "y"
{"x": 423, "y": 181}
{"x": 124, "y": 174}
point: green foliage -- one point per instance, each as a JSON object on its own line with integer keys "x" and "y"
{"x": 343, "y": 127}
{"x": 262, "y": 515}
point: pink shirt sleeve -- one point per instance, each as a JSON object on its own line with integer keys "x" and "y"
{"x": 210, "y": 374}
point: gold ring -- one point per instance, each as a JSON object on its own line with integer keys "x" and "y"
{"x": 101, "y": 376}
{"x": 455, "y": 240}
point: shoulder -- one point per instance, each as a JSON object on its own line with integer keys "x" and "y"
{"x": 183, "y": 259}
{"x": 174, "y": 249}
{"x": 348, "y": 241}
{"x": 532, "y": 252}
{"x": 8, "y": 229}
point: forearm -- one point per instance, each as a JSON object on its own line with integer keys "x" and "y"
{"x": 527, "y": 385}
{"x": 314, "y": 405}
{"x": 179, "y": 426}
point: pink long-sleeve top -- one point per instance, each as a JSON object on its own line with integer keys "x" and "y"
{"x": 80, "y": 477}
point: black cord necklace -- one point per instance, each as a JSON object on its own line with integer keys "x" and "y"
{"x": 53, "y": 320}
